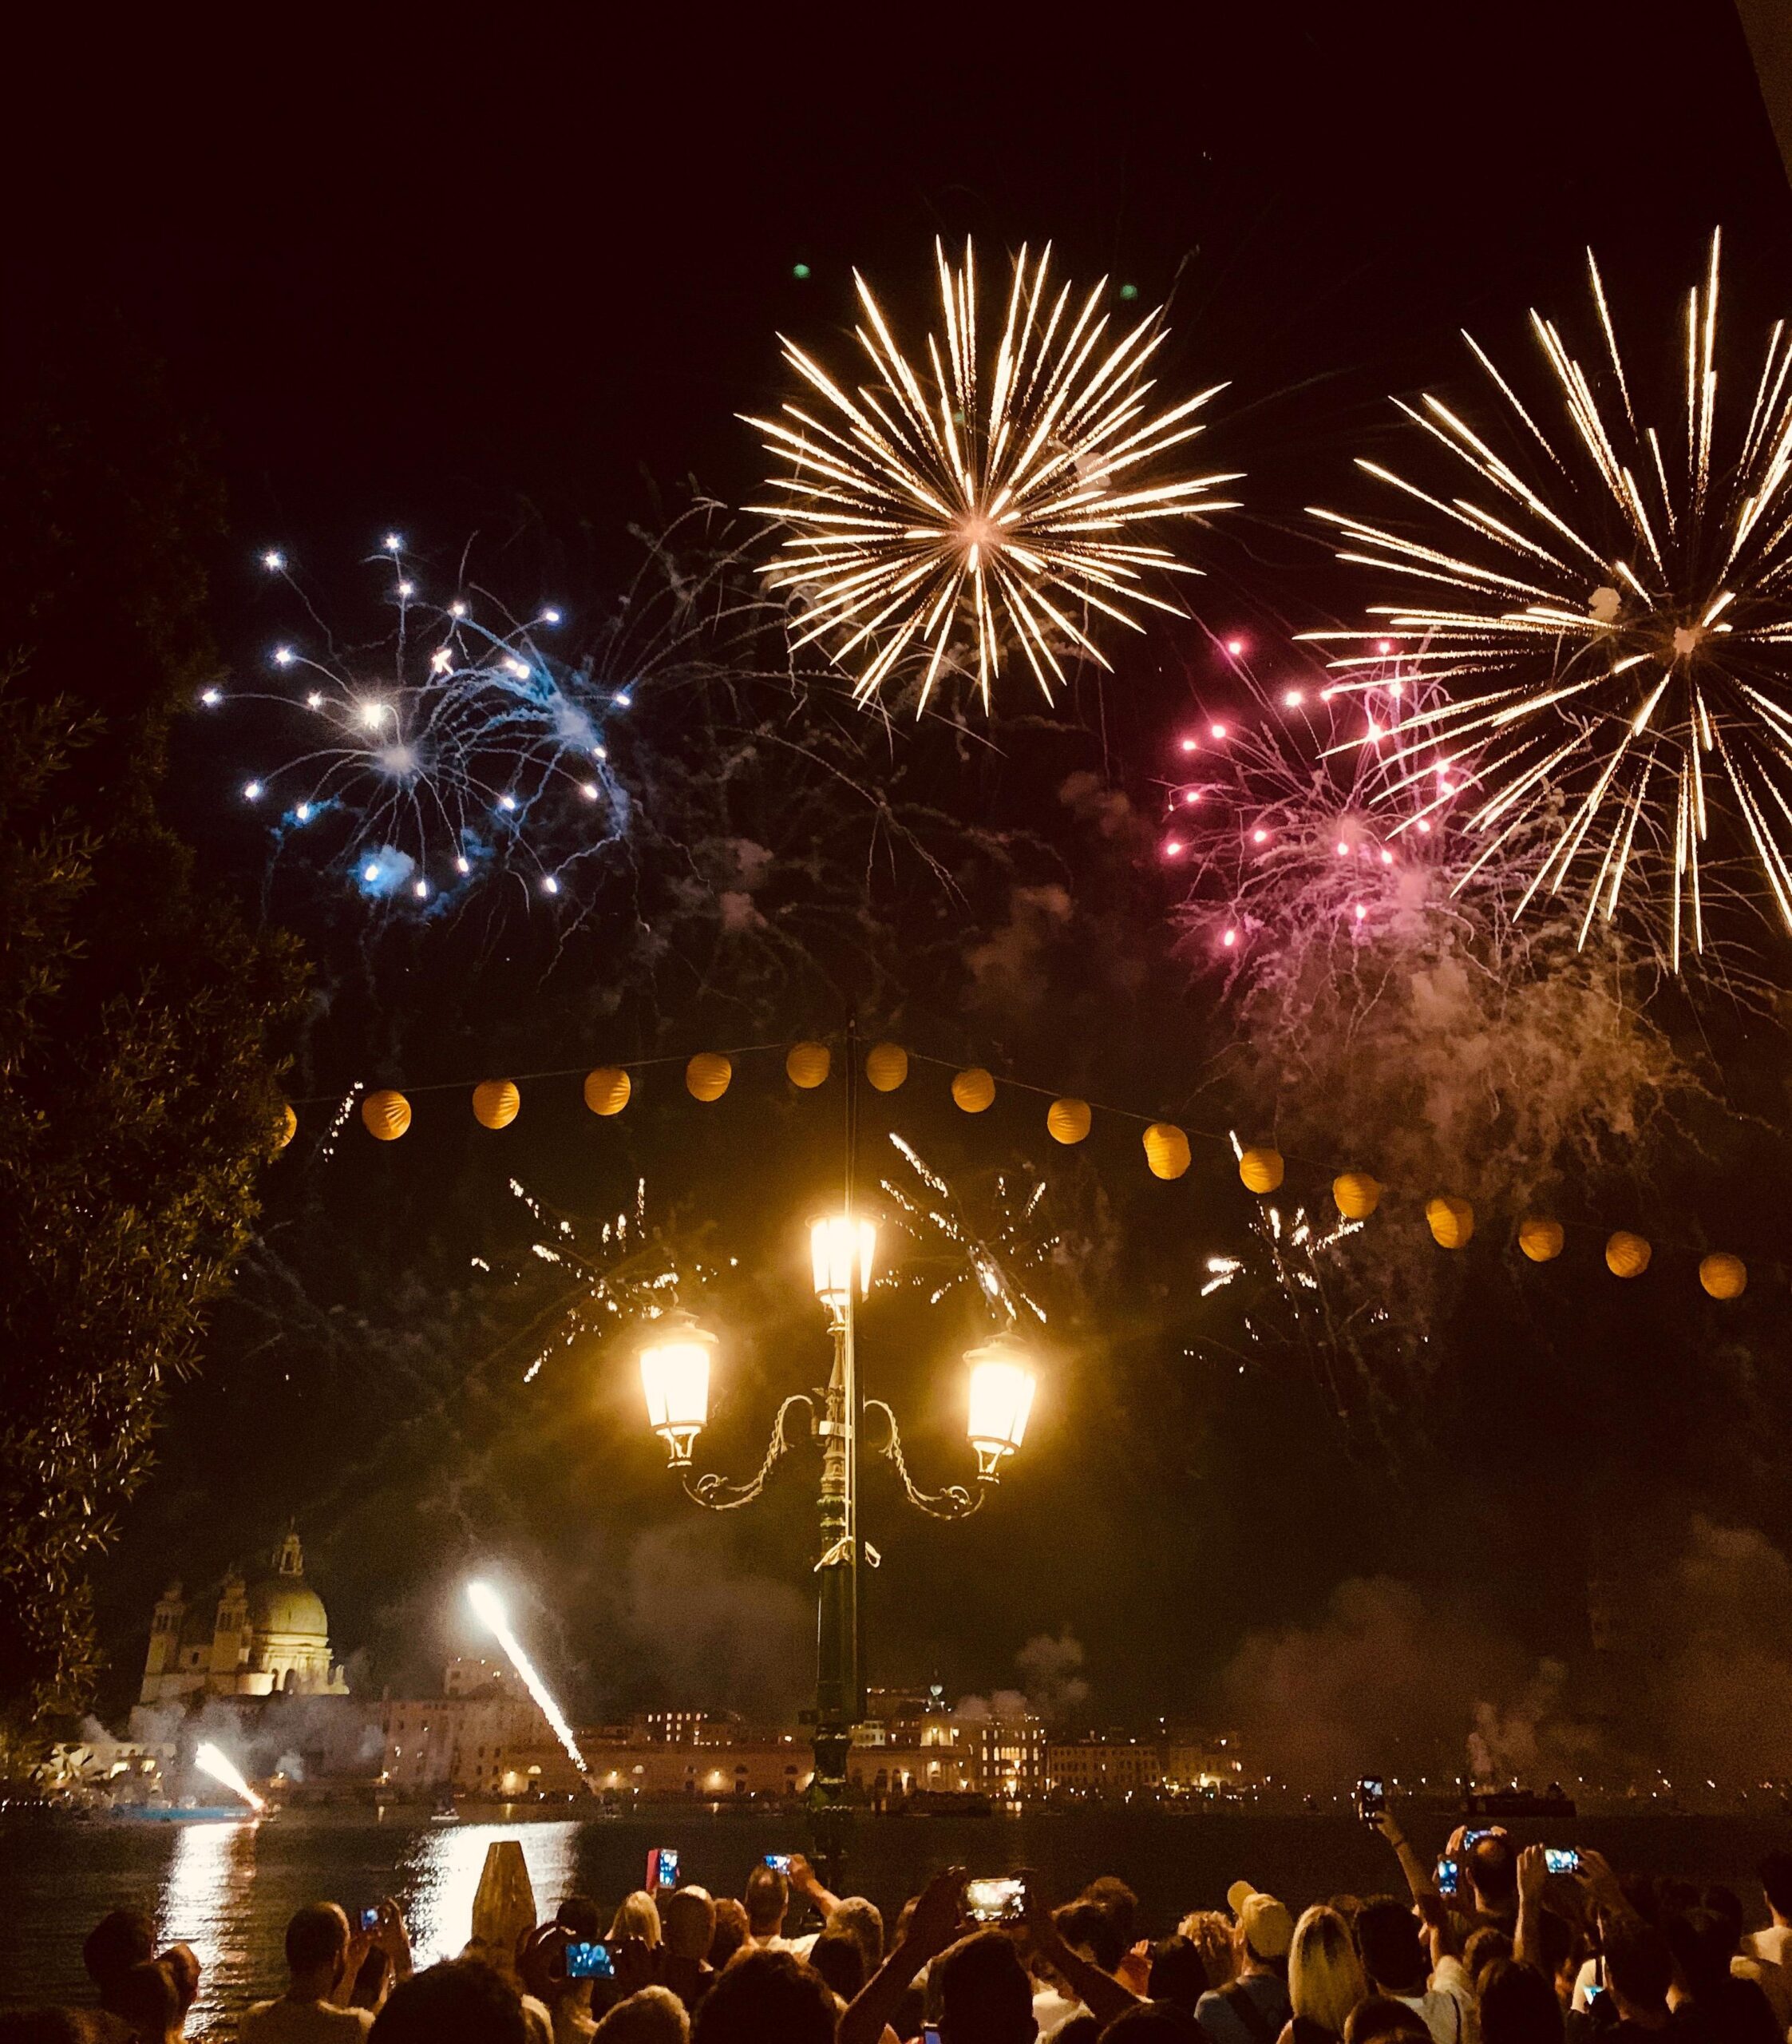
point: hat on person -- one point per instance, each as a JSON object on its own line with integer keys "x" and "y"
{"x": 1269, "y": 1927}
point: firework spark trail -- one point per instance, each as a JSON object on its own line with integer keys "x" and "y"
{"x": 420, "y": 761}
{"x": 488, "y": 1607}
{"x": 1286, "y": 832}
{"x": 999, "y": 1260}
{"x": 1614, "y": 639}
{"x": 982, "y": 498}
{"x": 629, "y": 1272}
{"x": 210, "y": 1759}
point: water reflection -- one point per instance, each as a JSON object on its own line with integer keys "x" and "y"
{"x": 442, "y": 1875}
{"x": 206, "y": 1903}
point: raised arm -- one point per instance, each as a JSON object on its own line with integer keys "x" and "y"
{"x": 807, "y": 1882}
{"x": 937, "y": 1921}
{"x": 1100, "y": 1993}
{"x": 1418, "y": 1878}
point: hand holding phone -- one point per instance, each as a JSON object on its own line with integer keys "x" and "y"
{"x": 1448, "y": 1879}
{"x": 662, "y": 1867}
{"x": 997, "y": 1899}
{"x": 368, "y": 1920}
{"x": 1371, "y": 1799}
{"x": 1561, "y": 1859}
{"x": 779, "y": 1863}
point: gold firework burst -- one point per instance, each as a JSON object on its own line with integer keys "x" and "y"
{"x": 1613, "y": 643}
{"x": 980, "y": 501}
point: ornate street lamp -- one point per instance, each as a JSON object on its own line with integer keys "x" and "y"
{"x": 675, "y": 1381}
{"x": 675, "y": 1359}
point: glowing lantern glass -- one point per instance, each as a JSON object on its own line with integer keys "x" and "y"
{"x": 1002, "y": 1386}
{"x": 675, "y": 1381}
{"x": 836, "y": 1242}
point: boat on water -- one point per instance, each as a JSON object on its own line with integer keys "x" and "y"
{"x": 187, "y": 1813}
{"x": 445, "y": 1811}
{"x": 1502, "y": 1803}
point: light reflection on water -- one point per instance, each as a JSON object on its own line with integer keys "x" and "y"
{"x": 206, "y": 1901}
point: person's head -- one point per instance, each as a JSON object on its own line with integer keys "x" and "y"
{"x": 1264, "y": 1929}
{"x": 862, "y": 1921}
{"x": 654, "y": 2016}
{"x": 1177, "y": 1974}
{"x": 462, "y": 2001}
{"x": 184, "y": 1970}
{"x": 1153, "y": 2023}
{"x": 1325, "y": 1975}
{"x": 1387, "y": 1937}
{"x": 582, "y": 1918}
{"x": 1483, "y": 1947}
{"x": 1112, "y": 1894}
{"x": 316, "y": 1942}
{"x": 837, "y": 1957}
{"x": 637, "y": 1916}
{"x": 765, "y": 1995}
{"x": 1517, "y": 2005}
{"x": 1639, "y": 1968}
{"x": 687, "y": 1923}
{"x": 985, "y": 1996}
{"x": 1775, "y": 1874}
{"x": 1725, "y": 1903}
{"x": 122, "y": 1938}
{"x": 1210, "y": 1932}
{"x": 147, "y": 1998}
{"x": 1380, "y": 2019}
{"x": 1087, "y": 1927}
{"x": 767, "y": 1899}
{"x": 731, "y": 1930}
{"x": 1493, "y": 1869}
{"x": 1702, "y": 1947}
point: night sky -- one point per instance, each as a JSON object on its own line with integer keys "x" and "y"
{"x": 515, "y": 286}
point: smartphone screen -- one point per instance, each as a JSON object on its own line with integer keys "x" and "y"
{"x": 662, "y": 1867}
{"x": 371, "y": 1919}
{"x": 1561, "y": 1859}
{"x": 778, "y": 1861}
{"x": 1372, "y": 1797}
{"x": 1448, "y": 1877}
{"x": 998, "y": 1899}
{"x": 589, "y": 1962}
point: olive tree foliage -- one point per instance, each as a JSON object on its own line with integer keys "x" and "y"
{"x": 139, "y": 1018}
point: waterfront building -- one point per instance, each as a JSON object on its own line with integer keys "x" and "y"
{"x": 270, "y": 1637}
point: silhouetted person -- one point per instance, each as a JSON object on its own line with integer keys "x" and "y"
{"x": 322, "y": 1960}
{"x": 1518, "y": 2006}
{"x": 763, "y": 1995}
{"x": 985, "y": 1995}
{"x": 462, "y": 2001}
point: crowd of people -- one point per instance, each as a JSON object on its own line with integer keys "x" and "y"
{"x": 1517, "y": 1954}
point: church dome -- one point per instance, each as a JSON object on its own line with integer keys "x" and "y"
{"x": 284, "y": 1603}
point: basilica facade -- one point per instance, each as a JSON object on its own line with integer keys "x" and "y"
{"x": 270, "y": 1637}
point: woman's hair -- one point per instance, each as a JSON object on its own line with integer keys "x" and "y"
{"x": 1210, "y": 1931}
{"x": 654, "y": 2016}
{"x": 1326, "y": 1979}
{"x": 637, "y": 1916}
{"x": 1518, "y": 2006}
{"x": 731, "y": 1930}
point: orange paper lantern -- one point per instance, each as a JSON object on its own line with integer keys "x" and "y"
{"x": 808, "y": 1065}
{"x": 1166, "y": 1150}
{"x": 973, "y": 1090}
{"x": 1067, "y": 1121}
{"x": 707, "y": 1074}
{"x": 496, "y": 1103}
{"x": 608, "y": 1089}
{"x": 385, "y": 1115}
{"x": 886, "y": 1067}
{"x": 1451, "y": 1221}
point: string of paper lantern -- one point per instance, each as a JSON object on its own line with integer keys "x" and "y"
{"x": 608, "y": 1089}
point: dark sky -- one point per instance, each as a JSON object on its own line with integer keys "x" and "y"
{"x": 517, "y": 279}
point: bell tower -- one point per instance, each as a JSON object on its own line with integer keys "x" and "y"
{"x": 164, "y": 1640}
{"x": 230, "y": 1635}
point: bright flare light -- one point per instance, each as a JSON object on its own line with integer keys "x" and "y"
{"x": 987, "y": 499}
{"x": 209, "y": 1760}
{"x": 488, "y": 1607}
{"x": 1612, "y": 642}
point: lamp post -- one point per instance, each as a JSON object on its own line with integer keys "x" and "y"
{"x": 675, "y": 1368}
